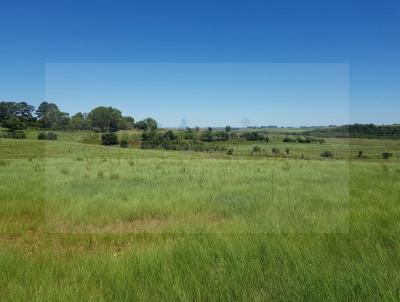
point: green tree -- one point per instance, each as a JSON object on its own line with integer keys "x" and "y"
{"x": 109, "y": 138}
{"x": 21, "y": 110}
{"x": 24, "y": 111}
{"x": 79, "y": 121}
{"x": 13, "y": 124}
{"x": 49, "y": 116}
{"x": 105, "y": 118}
{"x": 386, "y": 155}
{"x": 127, "y": 123}
{"x": 169, "y": 135}
{"x": 148, "y": 124}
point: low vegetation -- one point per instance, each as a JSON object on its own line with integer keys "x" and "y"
{"x": 109, "y": 223}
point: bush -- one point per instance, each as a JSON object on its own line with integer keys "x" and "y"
{"x": 327, "y": 154}
{"x": 109, "y": 139}
{"x": 230, "y": 151}
{"x": 287, "y": 150}
{"x": 13, "y": 124}
{"x": 288, "y": 140}
{"x": 169, "y": 136}
{"x": 254, "y": 136}
{"x": 275, "y": 150}
{"x": 15, "y": 134}
{"x": 256, "y": 149}
{"x": 386, "y": 155}
{"x": 51, "y": 136}
{"x": 42, "y": 136}
{"x": 4, "y": 162}
{"x": 123, "y": 143}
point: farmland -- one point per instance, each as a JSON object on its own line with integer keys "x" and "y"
{"x": 81, "y": 221}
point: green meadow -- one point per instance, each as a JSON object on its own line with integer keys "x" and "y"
{"x": 85, "y": 222}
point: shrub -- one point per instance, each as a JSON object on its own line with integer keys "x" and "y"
{"x": 275, "y": 150}
{"x": 47, "y": 136}
{"x": 386, "y": 155}
{"x": 360, "y": 154}
{"x": 15, "y": 134}
{"x": 254, "y": 136}
{"x": 4, "y": 162}
{"x": 64, "y": 171}
{"x": 13, "y": 124}
{"x": 114, "y": 176}
{"x": 124, "y": 143}
{"x": 288, "y": 140}
{"x": 256, "y": 149}
{"x": 41, "y": 136}
{"x": 169, "y": 135}
{"x": 109, "y": 138}
{"x": 51, "y": 136}
{"x": 327, "y": 154}
{"x": 287, "y": 150}
{"x": 230, "y": 151}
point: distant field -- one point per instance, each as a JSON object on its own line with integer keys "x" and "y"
{"x": 342, "y": 148}
{"x": 86, "y": 222}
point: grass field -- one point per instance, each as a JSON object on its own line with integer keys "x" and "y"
{"x": 84, "y": 222}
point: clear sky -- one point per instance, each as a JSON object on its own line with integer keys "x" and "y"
{"x": 272, "y": 62}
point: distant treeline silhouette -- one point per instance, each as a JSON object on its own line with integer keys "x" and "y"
{"x": 21, "y": 115}
{"x": 358, "y": 131}
{"x": 16, "y": 116}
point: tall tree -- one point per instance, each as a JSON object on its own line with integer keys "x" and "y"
{"x": 79, "y": 121}
{"x": 50, "y": 116}
{"x": 128, "y": 123}
{"x": 105, "y": 118}
{"x": 147, "y": 124}
{"x": 7, "y": 110}
{"x": 24, "y": 111}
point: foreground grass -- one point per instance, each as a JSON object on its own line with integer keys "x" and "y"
{"x": 82, "y": 222}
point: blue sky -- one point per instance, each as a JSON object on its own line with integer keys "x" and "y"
{"x": 329, "y": 37}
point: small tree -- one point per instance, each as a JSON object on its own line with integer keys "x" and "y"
{"x": 13, "y": 124}
{"x": 169, "y": 135}
{"x": 327, "y": 154}
{"x": 123, "y": 143}
{"x": 287, "y": 151}
{"x": 230, "y": 151}
{"x": 386, "y": 155}
{"x": 51, "y": 136}
{"x": 41, "y": 136}
{"x": 256, "y": 149}
{"x": 275, "y": 150}
{"x": 15, "y": 134}
{"x": 360, "y": 154}
{"x": 228, "y": 128}
{"x": 109, "y": 138}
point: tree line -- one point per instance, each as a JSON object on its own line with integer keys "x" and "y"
{"x": 358, "y": 131}
{"x": 17, "y": 116}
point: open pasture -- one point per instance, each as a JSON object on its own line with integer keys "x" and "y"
{"x": 87, "y": 222}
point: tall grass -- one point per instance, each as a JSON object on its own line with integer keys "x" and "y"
{"x": 181, "y": 226}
